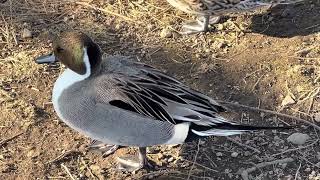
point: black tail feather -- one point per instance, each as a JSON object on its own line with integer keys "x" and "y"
{"x": 227, "y": 126}
{"x": 251, "y": 128}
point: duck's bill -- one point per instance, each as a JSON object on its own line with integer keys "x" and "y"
{"x": 50, "y": 58}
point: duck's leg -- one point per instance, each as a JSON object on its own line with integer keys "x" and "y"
{"x": 129, "y": 164}
{"x": 106, "y": 149}
{"x": 201, "y": 25}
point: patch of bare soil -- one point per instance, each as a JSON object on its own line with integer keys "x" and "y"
{"x": 266, "y": 59}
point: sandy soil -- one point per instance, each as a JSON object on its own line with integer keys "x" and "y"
{"x": 267, "y": 59}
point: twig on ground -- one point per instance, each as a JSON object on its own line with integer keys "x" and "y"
{"x": 200, "y": 165}
{"x": 68, "y": 172}
{"x": 195, "y": 159}
{"x": 256, "y": 83}
{"x": 297, "y": 172}
{"x": 88, "y": 168}
{"x": 5, "y": 141}
{"x": 311, "y": 94}
{"x": 58, "y": 177}
{"x": 243, "y": 145}
{"x": 295, "y": 149}
{"x": 61, "y": 156}
{"x": 245, "y": 173}
{"x": 270, "y": 112}
{"x": 213, "y": 164}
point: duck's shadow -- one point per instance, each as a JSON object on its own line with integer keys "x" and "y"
{"x": 287, "y": 21}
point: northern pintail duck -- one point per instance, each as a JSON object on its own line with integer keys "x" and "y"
{"x": 216, "y": 8}
{"x": 121, "y": 102}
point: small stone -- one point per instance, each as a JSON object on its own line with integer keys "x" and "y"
{"x": 166, "y": 33}
{"x": 220, "y": 27}
{"x": 307, "y": 169}
{"x": 185, "y": 164}
{"x": 201, "y": 142}
{"x": 298, "y": 138}
{"x": 318, "y": 155}
{"x": 118, "y": 26}
{"x": 95, "y": 168}
{"x": 26, "y": 33}
{"x": 288, "y": 100}
{"x": 317, "y": 117}
{"x": 160, "y": 156}
{"x": 219, "y": 154}
{"x": 150, "y": 27}
{"x": 170, "y": 159}
{"x": 284, "y": 165}
{"x": 31, "y": 153}
{"x": 234, "y": 154}
{"x": 247, "y": 153}
{"x": 220, "y": 45}
{"x": 65, "y": 19}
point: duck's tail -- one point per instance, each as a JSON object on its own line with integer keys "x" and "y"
{"x": 227, "y": 129}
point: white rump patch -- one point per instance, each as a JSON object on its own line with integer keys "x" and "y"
{"x": 180, "y": 133}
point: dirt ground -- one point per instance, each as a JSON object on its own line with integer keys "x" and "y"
{"x": 266, "y": 59}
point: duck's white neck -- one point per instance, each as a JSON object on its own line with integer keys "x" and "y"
{"x": 67, "y": 78}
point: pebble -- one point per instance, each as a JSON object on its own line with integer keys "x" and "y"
{"x": 288, "y": 100}
{"x": 318, "y": 155}
{"x": 298, "y": 138}
{"x": 284, "y": 165}
{"x": 317, "y": 117}
{"x": 307, "y": 169}
{"x": 170, "y": 159}
{"x": 220, "y": 27}
{"x": 94, "y": 168}
{"x": 219, "y": 154}
{"x": 247, "y": 153}
{"x": 186, "y": 164}
{"x": 160, "y": 156}
{"x": 166, "y": 33}
{"x": 26, "y": 33}
{"x": 234, "y": 154}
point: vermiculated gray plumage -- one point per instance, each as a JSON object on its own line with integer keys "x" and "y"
{"x": 133, "y": 104}
{"x": 121, "y": 102}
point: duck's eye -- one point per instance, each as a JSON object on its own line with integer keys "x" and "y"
{"x": 59, "y": 49}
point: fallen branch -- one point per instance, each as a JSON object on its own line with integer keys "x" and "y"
{"x": 67, "y": 171}
{"x": 295, "y": 149}
{"x": 195, "y": 159}
{"x": 245, "y": 173}
{"x": 270, "y": 112}
{"x": 5, "y": 141}
{"x": 62, "y": 156}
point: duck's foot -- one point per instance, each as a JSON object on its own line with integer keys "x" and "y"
{"x": 192, "y": 28}
{"x": 200, "y": 25}
{"x": 132, "y": 163}
{"x": 106, "y": 149}
{"x": 211, "y": 20}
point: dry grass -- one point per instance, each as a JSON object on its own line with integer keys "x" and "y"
{"x": 234, "y": 63}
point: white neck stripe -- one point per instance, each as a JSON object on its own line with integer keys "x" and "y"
{"x": 87, "y": 63}
{"x": 67, "y": 79}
